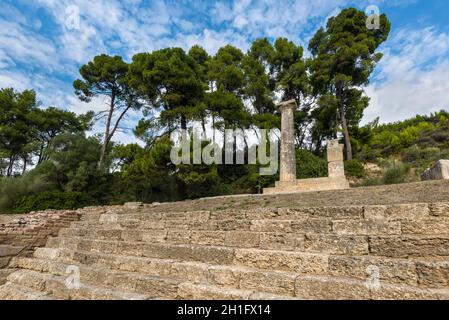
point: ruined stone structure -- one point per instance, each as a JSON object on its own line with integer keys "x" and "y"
{"x": 22, "y": 235}
{"x": 383, "y": 242}
{"x": 439, "y": 171}
{"x": 288, "y": 183}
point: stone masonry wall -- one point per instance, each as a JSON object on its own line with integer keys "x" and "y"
{"x": 440, "y": 171}
{"x": 20, "y": 236}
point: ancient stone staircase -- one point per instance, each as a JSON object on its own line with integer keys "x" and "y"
{"x": 249, "y": 248}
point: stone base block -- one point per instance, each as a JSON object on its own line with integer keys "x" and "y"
{"x": 308, "y": 185}
{"x": 440, "y": 171}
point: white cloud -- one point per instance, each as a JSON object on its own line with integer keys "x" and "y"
{"x": 24, "y": 46}
{"x": 413, "y": 76}
{"x": 405, "y": 84}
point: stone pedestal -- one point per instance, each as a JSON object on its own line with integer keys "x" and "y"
{"x": 335, "y": 164}
{"x": 440, "y": 171}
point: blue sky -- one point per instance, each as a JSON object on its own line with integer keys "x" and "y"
{"x": 42, "y": 46}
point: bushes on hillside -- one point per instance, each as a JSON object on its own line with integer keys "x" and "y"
{"x": 355, "y": 169}
{"x": 309, "y": 165}
{"x": 396, "y": 173}
{"x": 53, "y": 200}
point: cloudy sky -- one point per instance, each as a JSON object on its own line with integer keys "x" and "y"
{"x": 44, "y": 42}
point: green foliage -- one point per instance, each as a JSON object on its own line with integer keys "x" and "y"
{"x": 309, "y": 166}
{"x": 344, "y": 56}
{"x": 108, "y": 77}
{"x": 396, "y": 173}
{"x": 52, "y": 200}
{"x": 412, "y": 139}
{"x": 12, "y": 189}
{"x": 354, "y": 168}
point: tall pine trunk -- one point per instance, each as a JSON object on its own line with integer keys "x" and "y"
{"x": 344, "y": 124}
{"x": 107, "y": 130}
{"x": 25, "y": 162}
{"x": 183, "y": 122}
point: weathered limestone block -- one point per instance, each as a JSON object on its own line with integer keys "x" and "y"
{"x": 333, "y": 244}
{"x": 391, "y": 271}
{"x": 177, "y": 224}
{"x": 336, "y": 169}
{"x": 298, "y": 262}
{"x": 190, "y": 291}
{"x": 233, "y": 225}
{"x": 108, "y": 217}
{"x": 154, "y": 236}
{"x": 409, "y": 246}
{"x": 311, "y": 225}
{"x": 229, "y": 276}
{"x": 366, "y": 227}
{"x": 282, "y": 241}
{"x": 157, "y": 287}
{"x": 227, "y": 214}
{"x": 278, "y": 283}
{"x": 271, "y": 225}
{"x": 207, "y": 237}
{"x": 178, "y": 236}
{"x": 8, "y": 250}
{"x": 433, "y": 274}
{"x": 435, "y": 226}
{"x": 334, "y": 151}
{"x": 242, "y": 239}
{"x": 399, "y": 211}
{"x": 4, "y": 261}
{"x": 439, "y": 171}
{"x": 350, "y": 212}
{"x": 204, "y": 225}
{"x": 190, "y": 271}
{"x": 321, "y": 288}
{"x": 152, "y": 225}
{"x": 335, "y": 162}
{"x": 439, "y": 209}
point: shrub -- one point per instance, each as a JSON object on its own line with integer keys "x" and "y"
{"x": 12, "y": 189}
{"x": 354, "y": 168}
{"x": 371, "y": 182}
{"x": 53, "y": 200}
{"x": 309, "y": 166}
{"x": 397, "y": 173}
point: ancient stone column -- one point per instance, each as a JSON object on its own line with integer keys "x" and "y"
{"x": 288, "y": 158}
{"x": 335, "y": 159}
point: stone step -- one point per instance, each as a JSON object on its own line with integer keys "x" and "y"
{"x": 159, "y": 287}
{"x": 153, "y": 278}
{"x": 337, "y": 288}
{"x": 351, "y": 212}
{"x": 305, "y": 287}
{"x": 313, "y": 243}
{"x": 282, "y": 285}
{"x": 195, "y": 291}
{"x": 410, "y": 211}
{"x": 149, "y": 285}
{"x": 426, "y": 272}
{"x": 11, "y": 291}
{"x": 57, "y": 287}
{"x": 360, "y": 226}
{"x": 312, "y": 225}
{"x": 4, "y": 273}
{"x": 397, "y": 246}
